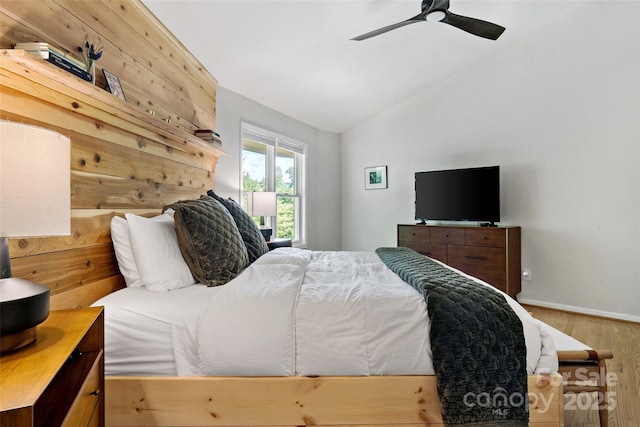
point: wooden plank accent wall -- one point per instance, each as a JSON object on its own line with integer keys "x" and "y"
{"x": 156, "y": 72}
{"x": 123, "y": 159}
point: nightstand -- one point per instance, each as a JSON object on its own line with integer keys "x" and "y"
{"x": 59, "y": 379}
{"x": 278, "y": 243}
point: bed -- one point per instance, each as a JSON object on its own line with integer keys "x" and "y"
{"x": 294, "y": 323}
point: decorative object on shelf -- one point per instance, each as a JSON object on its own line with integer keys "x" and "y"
{"x": 262, "y": 204}
{"x": 34, "y": 201}
{"x": 113, "y": 85}
{"x": 91, "y": 52}
{"x": 375, "y": 177}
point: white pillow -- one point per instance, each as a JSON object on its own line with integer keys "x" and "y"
{"x": 157, "y": 254}
{"x": 124, "y": 253}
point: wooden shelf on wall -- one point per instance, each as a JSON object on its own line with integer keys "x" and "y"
{"x": 86, "y": 95}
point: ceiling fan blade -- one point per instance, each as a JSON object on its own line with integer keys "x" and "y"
{"x": 388, "y": 28}
{"x": 474, "y": 26}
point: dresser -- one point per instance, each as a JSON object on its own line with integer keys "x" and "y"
{"x": 59, "y": 379}
{"x": 491, "y": 254}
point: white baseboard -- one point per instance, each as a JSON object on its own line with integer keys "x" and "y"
{"x": 580, "y": 310}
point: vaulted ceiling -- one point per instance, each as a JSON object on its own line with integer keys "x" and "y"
{"x": 296, "y": 56}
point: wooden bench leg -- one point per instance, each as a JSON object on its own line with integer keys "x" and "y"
{"x": 603, "y": 410}
{"x": 592, "y": 364}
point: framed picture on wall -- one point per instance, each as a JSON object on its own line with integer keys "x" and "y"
{"x": 375, "y": 178}
{"x": 113, "y": 84}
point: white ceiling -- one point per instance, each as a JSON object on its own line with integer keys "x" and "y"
{"x": 295, "y": 56}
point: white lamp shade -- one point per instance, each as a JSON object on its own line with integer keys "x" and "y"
{"x": 262, "y": 203}
{"x": 34, "y": 181}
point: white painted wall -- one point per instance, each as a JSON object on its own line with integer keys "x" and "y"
{"x": 323, "y": 178}
{"x": 561, "y": 116}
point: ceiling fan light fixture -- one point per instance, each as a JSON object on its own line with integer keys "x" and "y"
{"x": 435, "y": 16}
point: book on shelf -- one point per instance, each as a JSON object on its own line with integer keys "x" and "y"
{"x": 69, "y": 66}
{"x": 43, "y": 49}
{"x": 57, "y": 58}
{"x": 207, "y": 132}
{"x": 209, "y": 135}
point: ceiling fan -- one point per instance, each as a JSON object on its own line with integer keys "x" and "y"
{"x": 438, "y": 11}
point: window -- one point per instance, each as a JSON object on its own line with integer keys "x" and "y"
{"x": 271, "y": 162}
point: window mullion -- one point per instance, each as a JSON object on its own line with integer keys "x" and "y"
{"x": 271, "y": 168}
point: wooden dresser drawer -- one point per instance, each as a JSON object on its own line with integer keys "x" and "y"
{"x": 493, "y": 237}
{"x": 488, "y": 264}
{"x": 88, "y": 397}
{"x": 451, "y": 236}
{"x": 432, "y": 250}
{"x": 413, "y": 233}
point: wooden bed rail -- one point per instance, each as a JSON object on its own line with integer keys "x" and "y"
{"x": 584, "y": 355}
{"x": 297, "y": 401}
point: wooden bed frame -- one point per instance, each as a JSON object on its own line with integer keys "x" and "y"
{"x": 138, "y": 156}
{"x": 296, "y": 401}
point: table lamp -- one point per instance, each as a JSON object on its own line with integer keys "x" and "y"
{"x": 262, "y": 204}
{"x": 34, "y": 202}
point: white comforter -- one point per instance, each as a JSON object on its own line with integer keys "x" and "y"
{"x": 292, "y": 312}
{"x": 298, "y": 312}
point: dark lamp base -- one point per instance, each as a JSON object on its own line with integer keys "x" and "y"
{"x": 23, "y": 306}
{"x": 17, "y": 340}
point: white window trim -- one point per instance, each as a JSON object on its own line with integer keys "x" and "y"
{"x": 269, "y": 137}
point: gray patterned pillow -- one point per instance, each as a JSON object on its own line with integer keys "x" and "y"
{"x": 253, "y": 240}
{"x": 209, "y": 240}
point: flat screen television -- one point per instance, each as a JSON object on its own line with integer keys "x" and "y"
{"x": 471, "y": 194}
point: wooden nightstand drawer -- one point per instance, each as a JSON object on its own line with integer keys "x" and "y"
{"x": 49, "y": 382}
{"x": 493, "y": 237}
{"x": 87, "y": 399}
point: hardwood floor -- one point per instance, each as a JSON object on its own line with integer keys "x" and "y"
{"x": 623, "y": 338}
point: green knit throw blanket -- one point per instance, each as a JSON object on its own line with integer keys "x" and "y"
{"x": 478, "y": 346}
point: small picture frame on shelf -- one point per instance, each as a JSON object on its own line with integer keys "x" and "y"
{"x": 375, "y": 177}
{"x": 113, "y": 84}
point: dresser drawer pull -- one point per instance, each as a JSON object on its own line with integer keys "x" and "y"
{"x": 475, "y": 257}
{"x": 95, "y": 392}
